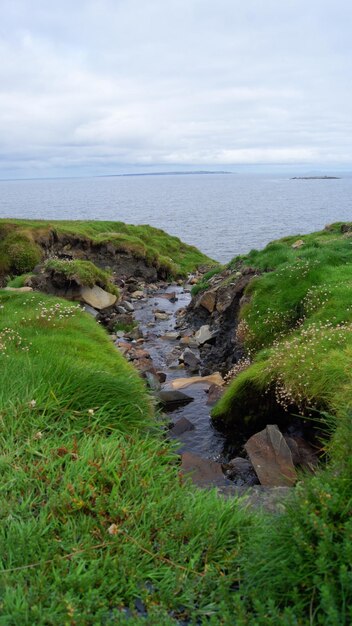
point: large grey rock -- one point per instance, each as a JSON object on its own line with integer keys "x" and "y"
{"x": 97, "y": 297}
{"x": 271, "y": 458}
{"x": 204, "y": 334}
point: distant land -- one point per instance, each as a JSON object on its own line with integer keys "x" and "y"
{"x": 203, "y": 172}
{"x": 315, "y": 178}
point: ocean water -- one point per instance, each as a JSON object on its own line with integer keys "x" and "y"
{"x": 223, "y": 215}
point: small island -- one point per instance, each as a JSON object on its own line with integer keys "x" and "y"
{"x": 315, "y": 178}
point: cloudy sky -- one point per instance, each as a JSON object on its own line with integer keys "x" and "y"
{"x": 110, "y": 86}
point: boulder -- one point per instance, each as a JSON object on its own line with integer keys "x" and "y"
{"x": 203, "y": 472}
{"x": 208, "y": 301}
{"x": 97, "y": 297}
{"x": 204, "y": 334}
{"x": 183, "y": 425}
{"x": 212, "y": 379}
{"x": 271, "y": 458}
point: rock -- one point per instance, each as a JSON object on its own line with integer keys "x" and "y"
{"x": 172, "y": 399}
{"x": 97, "y": 297}
{"x": 128, "y": 306}
{"x": 204, "y": 473}
{"x": 161, "y": 316}
{"x": 303, "y": 454}
{"x": 212, "y": 379}
{"x": 18, "y": 289}
{"x": 161, "y": 376}
{"x": 90, "y": 310}
{"x": 204, "y": 334}
{"x": 298, "y": 244}
{"x": 271, "y": 458}
{"x": 169, "y": 296}
{"x": 152, "y": 380}
{"x": 183, "y": 425}
{"x": 172, "y": 336}
{"x": 214, "y": 394}
{"x": 120, "y": 309}
{"x": 138, "y": 353}
{"x": 208, "y": 301}
{"x": 241, "y": 472}
{"x": 137, "y": 294}
{"x": 190, "y": 359}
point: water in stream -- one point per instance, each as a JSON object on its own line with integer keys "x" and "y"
{"x": 204, "y": 440}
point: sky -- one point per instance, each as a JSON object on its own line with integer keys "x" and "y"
{"x": 92, "y": 87}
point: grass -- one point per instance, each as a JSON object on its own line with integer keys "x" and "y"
{"x": 167, "y": 253}
{"x": 297, "y": 326}
{"x": 93, "y": 511}
{"x": 83, "y": 273}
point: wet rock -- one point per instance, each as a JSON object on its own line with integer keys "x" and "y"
{"x": 171, "y": 399}
{"x": 120, "y": 309}
{"x": 241, "y": 471}
{"x": 208, "y": 301}
{"x": 171, "y": 296}
{"x": 90, "y": 310}
{"x": 138, "y": 353}
{"x": 161, "y": 316}
{"x": 137, "y": 294}
{"x": 204, "y": 334}
{"x": 271, "y": 458}
{"x": 172, "y": 336}
{"x": 128, "y": 306}
{"x": 203, "y": 472}
{"x": 161, "y": 376}
{"x": 152, "y": 381}
{"x": 183, "y": 425}
{"x": 97, "y": 297}
{"x": 190, "y": 359}
{"x": 214, "y": 394}
{"x": 182, "y": 383}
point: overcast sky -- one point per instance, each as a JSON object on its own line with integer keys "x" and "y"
{"x": 107, "y": 86}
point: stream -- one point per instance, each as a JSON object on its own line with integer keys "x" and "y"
{"x": 204, "y": 440}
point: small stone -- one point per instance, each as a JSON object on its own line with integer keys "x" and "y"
{"x": 172, "y": 399}
{"x": 90, "y": 310}
{"x": 204, "y": 473}
{"x": 298, "y": 244}
{"x": 183, "y": 425}
{"x": 214, "y": 394}
{"x": 161, "y": 376}
{"x": 161, "y": 316}
{"x": 190, "y": 359}
{"x": 128, "y": 306}
{"x": 137, "y": 294}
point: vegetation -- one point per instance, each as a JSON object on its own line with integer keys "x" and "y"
{"x": 203, "y": 284}
{"x": 297, "y": 326}
{"x": 93, "y": 512}
{"x": 96, "y": 521}
{"x": 84, "y": 273}
{"x": 21, "y": 240}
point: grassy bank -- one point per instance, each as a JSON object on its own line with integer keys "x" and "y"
{"x": 94, "y": 516}
{"x": 22, "y": 243}
{"x": 296, "y": 327}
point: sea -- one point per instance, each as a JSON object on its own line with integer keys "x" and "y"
{"x": 222, "y": 214}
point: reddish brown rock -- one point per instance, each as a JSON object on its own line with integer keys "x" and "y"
{"x": 271, "y": 458}
{"x": 203, "y": 472}
{"x": 208, "y": 301}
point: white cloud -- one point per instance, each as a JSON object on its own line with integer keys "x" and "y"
{"x": 90, "y": 83}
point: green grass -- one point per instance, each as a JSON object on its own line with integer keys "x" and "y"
{"x": 83, "y": 272}
{"x": 81, "y": 453}
{"x": 165, "y": 252}
{"x": 203, "y": 284}
{"x": 297, "y": 326}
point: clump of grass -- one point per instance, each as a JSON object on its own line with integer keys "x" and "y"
{"x": 19, "y": 281}
{"x": 19, "y": 253}
{"x": 83, "y": 273}
{"x": 204, "y": 284}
